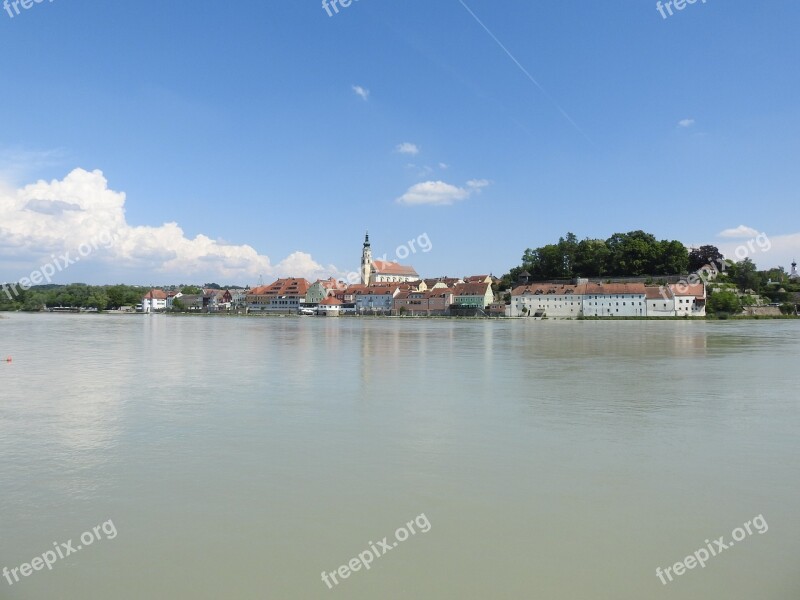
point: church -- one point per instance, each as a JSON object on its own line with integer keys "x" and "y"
{"x": 382, "y": 271}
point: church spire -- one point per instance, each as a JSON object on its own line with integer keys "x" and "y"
{"x": 366, "y": 262}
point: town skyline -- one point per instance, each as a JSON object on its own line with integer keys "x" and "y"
{"x": 474, "y": 118}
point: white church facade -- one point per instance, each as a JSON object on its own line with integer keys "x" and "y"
{"x": 383, "y": 271}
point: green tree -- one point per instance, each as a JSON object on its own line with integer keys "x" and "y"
{"x": 746, "y": 276}
{"x": 97, "y": 299}
{"x": 592, "y": 258}
{"x": 724, "y": 301}
{"x": 704, "y": 255}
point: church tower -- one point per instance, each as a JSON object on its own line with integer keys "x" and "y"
{"x": 366, "y": 261}
{"x": 794, "y": 274}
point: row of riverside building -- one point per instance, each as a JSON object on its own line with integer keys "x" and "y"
{"x": 329, "y": 297}
{"x": 389, "y": 288}
{"x": 597, "y": 299}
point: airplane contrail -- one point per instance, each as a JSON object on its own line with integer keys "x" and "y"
{"x": 525, "y": 71}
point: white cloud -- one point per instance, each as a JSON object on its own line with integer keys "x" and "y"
{"x": 686, "y": 122}
{"x": 766, "y": 251}
{"x": 407, "y": 148}
{"x": 477, "y": 184}
{"x": 444, "y": 166}
{"x": 440, "y": 193}
{"x": 362, "y": 92}
{"x": 45, "y": 218}
{"x": 742, "y": 231}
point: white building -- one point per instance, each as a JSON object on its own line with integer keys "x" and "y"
{"x": 375, "y": 299}
{"x": 614, "y": 300}
{"x": 154, "y": 300}
{"x": 547, "y": 299}
{"x": 382, "y": 271}
{"x": 690, "y": 299}
{"x": 594, "y": 299}
{"x": 660, "y": 302}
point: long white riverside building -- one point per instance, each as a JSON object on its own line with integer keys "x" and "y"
{"x": 595, "y": 299}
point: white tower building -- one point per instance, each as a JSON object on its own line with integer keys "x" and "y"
{"x": 366, "y": 262}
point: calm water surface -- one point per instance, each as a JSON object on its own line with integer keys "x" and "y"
{"x": 240, "y": 458}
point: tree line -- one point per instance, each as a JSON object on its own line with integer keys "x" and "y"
{"x": 632, "y": 254}
{"x": 73, "y": 295}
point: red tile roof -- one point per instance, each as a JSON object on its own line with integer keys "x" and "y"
{"x": 471, "y": 289}
{"x": 548, "y": 289}
{"x": 697, "y": 290}
{"x": 383, "y": 267}
{"x": 283, "y": 287}
{"x": 657, "y": 293}
{"x": 615, "y": 288}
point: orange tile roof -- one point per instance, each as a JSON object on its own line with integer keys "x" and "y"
{"x": 383, "y": 267}
{"x": 378, "y": 290}
{"x": 331, "y": 301}
{"x": 547, "y": 289}
{"x": 697, "y": 290}
{"x": 657, "y": 293}
{"x": 471, "y": 289}
{"x": 283, "y": 287}
{"x": 438, "y": 293}
{"x": 156, "y": 295}
{"x": 615, "y": 288}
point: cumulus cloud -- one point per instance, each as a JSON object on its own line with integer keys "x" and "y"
{"x": 766, "y": 251}
{"x": 477, "y": 184}
{"x": 742, "y": 231}
{"x": 407, "y": 148}
{"x": 686, "y": 122}
{"x": 361, "y": 92}
{"x": 440, "y": 193}
{"x": 59, "y": 216}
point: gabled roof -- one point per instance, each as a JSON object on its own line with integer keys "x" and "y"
{"x": 283, "y": 287}
{"x": 698, "y": 290}
{"x": 378, "y": 290}
{"x": 331, "y": 301}
{"x": 383, "y": 267}
{"x": 658, "y": 293}
{"x": 476, "y": 278}
{"x": 471, "y": 289}
{"x": 615, "y": 288}
{"x": 438, "y": 293}
{"x": 156, "y": 295}
{"x": 549, "y": 289}
{"x": 329, "y": 284}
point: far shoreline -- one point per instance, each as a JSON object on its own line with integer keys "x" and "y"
{"x": 415, "y": 317}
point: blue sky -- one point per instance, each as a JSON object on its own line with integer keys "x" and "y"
{"x": 278, "y": 134}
